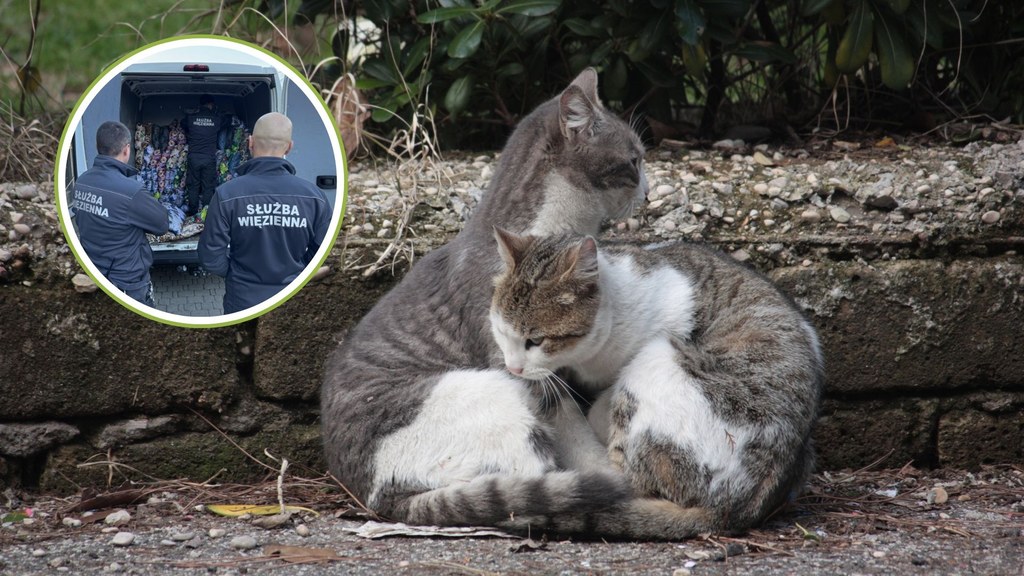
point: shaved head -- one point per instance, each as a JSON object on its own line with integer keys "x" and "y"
{"x": 271, "y": 136}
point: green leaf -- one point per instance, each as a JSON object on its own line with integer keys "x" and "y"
{"x": 812, "y": 7}
{"x": 416, "y": 55}
{"x": 855, "y": 47}
{"x": 766, "y": 52}
{"x": 894, "y": 58}
{"x": 467, "y": 41}
{"x": 367, "y": 83}
{"x": 457, "y": 97}
{"x": 649, "y": 40}
{"x": 927, "y": 25}
{"x": 585, "y": 28}
{"x": 510, "y": 69}
{"x": 531, "y": 7}
{"x": 690, "y": 21}
{"x": 443, "y": 14}
{"x": 380, "y": 70}
{"x": 695, "y": 59}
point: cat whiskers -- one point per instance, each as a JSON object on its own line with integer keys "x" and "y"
{"x": 562, "y": 389}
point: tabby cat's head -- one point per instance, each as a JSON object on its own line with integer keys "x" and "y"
{"x": 545, "y": 301}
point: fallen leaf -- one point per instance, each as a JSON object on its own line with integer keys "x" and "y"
{"x": 375, "y": 530}
{"x": 236, "y": 510}
{"x": 301, "y": 554}
{"x": 886, "y": 142}
{"x": 528, "y": 544}
{"x": 845, "y": 146}
{"x": 112, "y": 500}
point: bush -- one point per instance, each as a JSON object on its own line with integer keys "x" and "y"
{"x": 691, "y": 67}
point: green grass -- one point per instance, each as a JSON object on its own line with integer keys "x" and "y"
{"x": 77, "y": 39}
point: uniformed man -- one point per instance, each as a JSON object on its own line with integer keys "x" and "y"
{"x": 265, "y": 225}
{"x": 113, "y": 212}
{"x": 201, "y": 129}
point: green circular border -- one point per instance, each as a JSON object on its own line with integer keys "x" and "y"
{"x": 59, "y": 186}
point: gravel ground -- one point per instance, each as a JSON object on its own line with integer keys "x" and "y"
{"x": 773, "y": 207}
{"x": 896, "y": 521}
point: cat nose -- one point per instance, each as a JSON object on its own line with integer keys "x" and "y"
{"x": 516, "y": 371}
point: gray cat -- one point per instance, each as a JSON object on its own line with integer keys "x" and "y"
{"x": 420, "y": 423}
{"x": 709, "y": 378}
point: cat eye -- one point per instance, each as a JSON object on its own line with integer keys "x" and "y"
{"x": 531, "y": 342}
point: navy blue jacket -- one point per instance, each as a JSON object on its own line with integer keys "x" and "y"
{"x": 113, "y": 213}
{"x": 201, "y": 129}
{"x": 262, "y": 228}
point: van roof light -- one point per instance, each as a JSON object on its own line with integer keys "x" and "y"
{"x": 197, "y": 68}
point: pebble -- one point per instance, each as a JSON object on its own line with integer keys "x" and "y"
{"x": 83, "y": 285}
{"x": 878, "y": 554}
{"x": 741, "y": 255}
{"x": 113, "y": 567}
{"x": 839, "y": 214}
{"x": 990, "y": 217}
{"x": 633, "y": 224}
{"x": 22, "y": 228}
{"x": 697, "y": 208}
{"x": 217, "y": 532}
{"x": 243, "y": 542}
{"x": 16, "y": 217}
{"x": 5, "y": 255}
{"x": 811, "y": 215}
{"x": 123, "y": 539}
{"x": 183, "y": 536}
{"x": 118, "y": 518}
{"x": 761, "y": 188}
{"x": 938, "y": 495}
{"x": 71, "y": 522}
{"x": 669, "y": 225}
{"x": 56, "y": 562}
{"x": 302, "y": 530}
{"x": 38, "y": 553}
{"x": 923, "y": 189}
{"x": 663, "y": 190}
{"x": 26, "y": 191}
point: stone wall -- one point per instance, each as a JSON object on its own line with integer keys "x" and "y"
{"x": 924, "y": 351}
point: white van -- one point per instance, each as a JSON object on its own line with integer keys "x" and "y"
{"x": 160, "y": 91}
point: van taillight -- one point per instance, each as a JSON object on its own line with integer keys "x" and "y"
{"x": 196, "y": 68}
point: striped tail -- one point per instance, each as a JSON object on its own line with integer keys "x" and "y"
{"x": 594, "y": 504}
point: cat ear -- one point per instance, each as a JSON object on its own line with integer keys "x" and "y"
{"x": 587, "y": 82}
{"x": 581, "y": 261}
{"x": 576, "y": 114}
{"x": 510, "y": 246}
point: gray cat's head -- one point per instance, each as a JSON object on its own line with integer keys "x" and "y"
{"x": 577, "y": 163}
{"x": 546, "y": 302}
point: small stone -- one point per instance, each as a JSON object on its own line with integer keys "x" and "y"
{"x": 243, "y": 542}
{"x": 938, "y": 495}
{"x": 22, "y": 228}
{"x": 123, "y": 539}
{"x": 806, "y": 263}
{"x": 38, "y": 553}
{"x": 16, "y": 217}
{"x": 761, "y": 188}
{"x": 779, "y": 204}
{"x": 118, "y": 518}
{"x": 183, "y": 536}
{"x": 56, "y": 562}
{"x": 5, "y": 255}
{"x": 990, "y": 217}
{"x": 697, "y": 208}
{"x": 839, "y": 214}
{"x": 812, "y": 179}
{"x": 387, "y": 224}
{"x": 663, "y": 190}
{"x": 668, "y": 225}
{"x": 923, "y": 189}
{"x": 762, "y": 159}
{"x": 985, "y": 192}
{"x": 71, "y": 522}
{"x": 656, "y": 204}
{"x": 321, "y": 273}
{"x": 811, "y": 215}
{"x": 883, "y": 202}
{"x": 741, "y": 255}
{"x": 217, "y": 532}
{"x": 633, "y": 224}
{"x": 166, "y": 542}
{"x": 302, "y": 530}
{"x": 26, "y": 191}
{"x": 83, "y": 284}
{"x": 367, "y": 227}
{"x": 113, "y": 567}
{"x": 878, "y": 554}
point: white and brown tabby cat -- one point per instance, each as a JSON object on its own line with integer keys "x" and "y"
{"x": 708, "y": 378}
{"x": 420, "y": 424}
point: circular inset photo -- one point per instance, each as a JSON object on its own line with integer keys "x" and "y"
{"x": 200, "y": 181}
